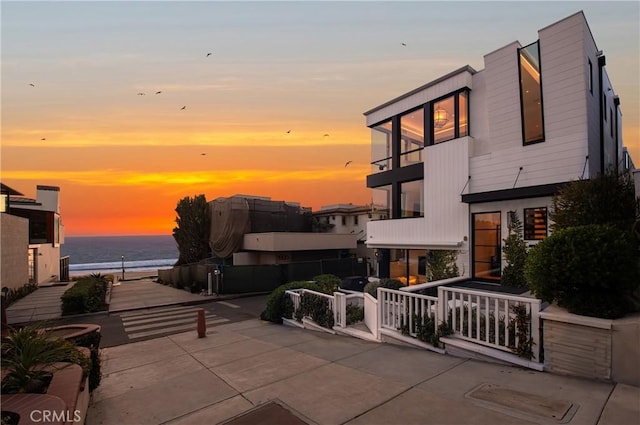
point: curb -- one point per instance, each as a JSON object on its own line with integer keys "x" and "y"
{"x": 205, "y": 300}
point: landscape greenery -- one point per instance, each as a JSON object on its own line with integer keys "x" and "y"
{"x": 590, "y": 263}
{"x": 193, "y": 227}
{"x": 88, "y": 295}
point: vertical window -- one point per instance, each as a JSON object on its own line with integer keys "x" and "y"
{"x": 535, "y": 223}
{"x": 344, "y": 220}
{"x": 463, "y": 114}
{"x": 381, "y": 142}
{"x": 531, "y": 94}
{"x": 487, "y": 246}
{"x": 444, "y": 120}
{"x": 411, "y": 137}
{"x": 411, "y": 202}
{"x": 611, "y": 121}
{"x": 381, "y": 197}
{"x": 355, "y": 220}
{"x": 590, "y": 76}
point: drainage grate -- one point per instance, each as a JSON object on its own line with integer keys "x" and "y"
{"x": 268, "y": 413}
{"x": 524, "y": 402}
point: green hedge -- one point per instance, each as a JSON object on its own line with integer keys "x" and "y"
{"x": 371, "y": 288}
{"x": 279, "y": 305}
{"x": 590, "y": 270}
{"x": 86, "y": 296}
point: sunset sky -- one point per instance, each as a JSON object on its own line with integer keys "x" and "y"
{"x": 123, "y": 160}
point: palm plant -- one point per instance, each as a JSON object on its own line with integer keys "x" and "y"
{"x": 30, "y": 356}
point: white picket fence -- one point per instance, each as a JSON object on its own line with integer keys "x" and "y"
{"x": 484, "y": 321}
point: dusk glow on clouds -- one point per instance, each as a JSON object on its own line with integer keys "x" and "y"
{"x": 275, "y": 110}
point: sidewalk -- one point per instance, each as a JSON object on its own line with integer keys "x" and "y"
{"x": 258, "y": 372}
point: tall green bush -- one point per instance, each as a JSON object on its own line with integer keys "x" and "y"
{"x": 441, "y": 264}
{"x": 605, "y": 199}
{"x": 515, "y": 254}
{"x": 590, "y": 270}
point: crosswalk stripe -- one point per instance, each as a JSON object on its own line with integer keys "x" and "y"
{"x": 155, "y": 312}
{"x": 174, "y": 329}
{"x": 228, "y": 304}
{"x": 138, "y": 326}
{"x": 156, "y": 318}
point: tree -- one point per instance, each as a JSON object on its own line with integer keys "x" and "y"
{"x": 606, "y": 199}
{"x": 515, "y": 254}
{"x": 441, "y": 264}
{"x": 192, "y": 230}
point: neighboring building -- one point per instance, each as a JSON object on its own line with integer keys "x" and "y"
{"x": 252, "y": 230}
{"x": 450, "y": 159}
{"x": 352, "y": 219}
{"x": 32, "y": 233}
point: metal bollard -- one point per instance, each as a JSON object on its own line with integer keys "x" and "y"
{"x": 202, "y": 324}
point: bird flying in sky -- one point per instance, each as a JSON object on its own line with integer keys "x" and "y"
{"x": 208, "y": 54}
{"x": 183, "y": 108}
{"x": 347, "y": 163}
{"x": 32, "y": 85}
{"x": 140, "y": 94}
{"x": 158, "y": 92}
{"x": 288, "y": 131}
{"x": 44, "y": 138}
{"x": 203, "y": 154}
{"x": 326, "y": 135}
{"x": 404, "y": 44}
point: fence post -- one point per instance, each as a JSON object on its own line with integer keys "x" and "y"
{"x": 536, "y": 328}
{"x": 202, "y": 325}
{"x": 441, "y": 311}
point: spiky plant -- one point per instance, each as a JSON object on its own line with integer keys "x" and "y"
{"x": 29, "y": 356}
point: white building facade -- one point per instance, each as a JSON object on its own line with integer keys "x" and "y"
{"x": 452, "y": 158}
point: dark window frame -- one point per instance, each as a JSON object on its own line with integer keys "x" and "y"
{"x": 522, "y": 122}
{"x": 473, "y": 246}
{"x": 590, "y": 80}
{"x": 430, "y": 141}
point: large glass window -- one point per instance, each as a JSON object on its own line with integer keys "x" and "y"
{"x": 381, "y": 197}
{"x": 444, "y": 120}
{"x": 531, "y": 94}
{"x": 412, "y": 199}
{"x": 411, "y": 137}
{"x": 381, "y": 142}
{"x": 486, "y": 246}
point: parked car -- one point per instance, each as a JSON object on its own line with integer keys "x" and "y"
{"x": 354, "y": 283}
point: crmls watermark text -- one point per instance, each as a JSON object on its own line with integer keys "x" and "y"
{"x": 44, "y": 416}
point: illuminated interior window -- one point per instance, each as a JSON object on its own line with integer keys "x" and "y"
{"x": 531, "y": 94}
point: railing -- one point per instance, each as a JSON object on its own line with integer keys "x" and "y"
{"x": 343, "y": 300}
{"x": 296, "y": 296}
{"x": 400, "y": 311}
{"x": 64, "y": 269}
{"x": 492, "y": 319}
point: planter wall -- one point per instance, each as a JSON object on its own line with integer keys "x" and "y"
{"x": 590, "y": 347}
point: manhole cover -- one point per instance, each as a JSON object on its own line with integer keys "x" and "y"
{"x": 267, "y": 414}
{"x": 524, "y": 402}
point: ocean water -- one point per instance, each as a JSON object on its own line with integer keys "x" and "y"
{"x": 104, "y": 253}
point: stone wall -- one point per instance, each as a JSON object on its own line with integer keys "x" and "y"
{"x": 14, "y": 251}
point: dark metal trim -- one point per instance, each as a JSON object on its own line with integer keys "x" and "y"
{"x": 517, "y": 193}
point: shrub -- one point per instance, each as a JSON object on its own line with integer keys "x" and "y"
{"x": 355, "y": 314}
{"x": 92, "y": 342}
{"x": 316, "y": 307}
{"x": 328, "y": 282}
{"x": 590, "y": 270}
{"x": 371, "y": 288}
{"x": 14, "y": 294}
{"x": 278, "y": 303}
{"x": 86, "y": 296}
{"x": 515, "y": 254}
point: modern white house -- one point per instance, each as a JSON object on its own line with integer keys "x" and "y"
{"x": 453, "y": 157}
{"x": 32, "y": 232}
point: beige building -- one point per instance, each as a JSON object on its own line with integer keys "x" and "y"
{"x": 32, "y": 233}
